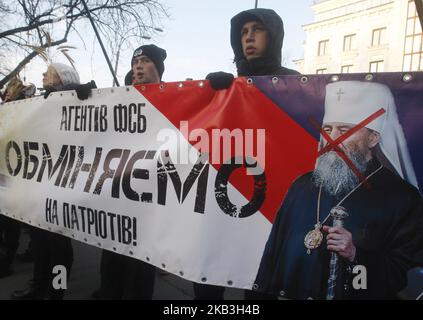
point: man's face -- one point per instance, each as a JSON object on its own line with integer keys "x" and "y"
{"x": 361, "y": 141}
{"x": 331, "y": 171}
{"x": 254, "y": 40}
{"x": 144, "y": 71}
{"x": 51, "y": 78}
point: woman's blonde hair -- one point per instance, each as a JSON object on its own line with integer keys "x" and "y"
{"x": 14, "y": 88}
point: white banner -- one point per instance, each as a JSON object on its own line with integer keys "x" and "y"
{"x": 94, "y": 171}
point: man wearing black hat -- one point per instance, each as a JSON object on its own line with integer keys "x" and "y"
{"x": 147, "y": 65}
{"x": 123, "y": 277}
{"x": 256, "y": 39}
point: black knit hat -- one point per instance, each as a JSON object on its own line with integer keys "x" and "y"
{"x": 156, "y": 54}
{"x": 129, "y": 78}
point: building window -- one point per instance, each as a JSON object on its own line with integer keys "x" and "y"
{"x": 321, "y": 71}
{"x": 347, "y": 68}
{"x": 378, "y": 36}
{"x": 349, "y": 42}
{"x": 413, "y": 51}
{"x": 323, "y": 48}
{"x": 376, "y": 66}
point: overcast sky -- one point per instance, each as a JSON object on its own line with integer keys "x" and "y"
{"x": 196, "y": 38}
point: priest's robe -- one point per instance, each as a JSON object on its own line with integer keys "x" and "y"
{"x": 386, "y": 222}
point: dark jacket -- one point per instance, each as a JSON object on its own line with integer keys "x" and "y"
{"x": 270, "y": 64}
{"x": 67, "y": 87}
{"x": 386, "y": 223}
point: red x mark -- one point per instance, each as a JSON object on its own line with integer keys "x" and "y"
{"x": 334, "y": 144}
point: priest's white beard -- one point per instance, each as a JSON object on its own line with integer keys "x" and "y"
{"x": 335, "y": 176}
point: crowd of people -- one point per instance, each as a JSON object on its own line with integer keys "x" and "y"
{"x": 256, "y": 39}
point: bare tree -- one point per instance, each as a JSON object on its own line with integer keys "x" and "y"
{"x": 31, "y": 26}
{"x": 3, "y": 8}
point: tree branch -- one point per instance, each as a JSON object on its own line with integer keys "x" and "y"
{"x": 116, "y": 19}
{"x": 26, "y": 60}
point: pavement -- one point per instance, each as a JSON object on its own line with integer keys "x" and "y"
{"x": 85, "y": 277}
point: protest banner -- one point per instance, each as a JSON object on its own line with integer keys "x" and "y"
{"x": 176, "y": 174}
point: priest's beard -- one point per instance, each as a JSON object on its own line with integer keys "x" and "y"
{"x": 335, "y": 176}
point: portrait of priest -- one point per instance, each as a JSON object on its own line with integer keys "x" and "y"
{"x": 368, "y": 176}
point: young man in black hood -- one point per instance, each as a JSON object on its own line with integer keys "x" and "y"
{"x": 256, "y": 39}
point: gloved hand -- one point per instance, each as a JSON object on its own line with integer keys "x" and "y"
{"x": 48, "y": 91}
{"x": 83, "y": 91}
{"x": 220, "y": 80}
{"x": 29, "y": 90}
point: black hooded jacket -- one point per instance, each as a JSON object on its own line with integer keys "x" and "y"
{"x": 270, "y": 64}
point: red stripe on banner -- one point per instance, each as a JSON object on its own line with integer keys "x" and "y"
{"x": 290, "y": 150}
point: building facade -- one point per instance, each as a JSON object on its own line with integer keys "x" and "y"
{"x": 362, "y": 36}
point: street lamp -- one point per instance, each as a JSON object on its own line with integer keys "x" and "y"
{"x": 99, "y": 40}
{"x": 113, "y": 72}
